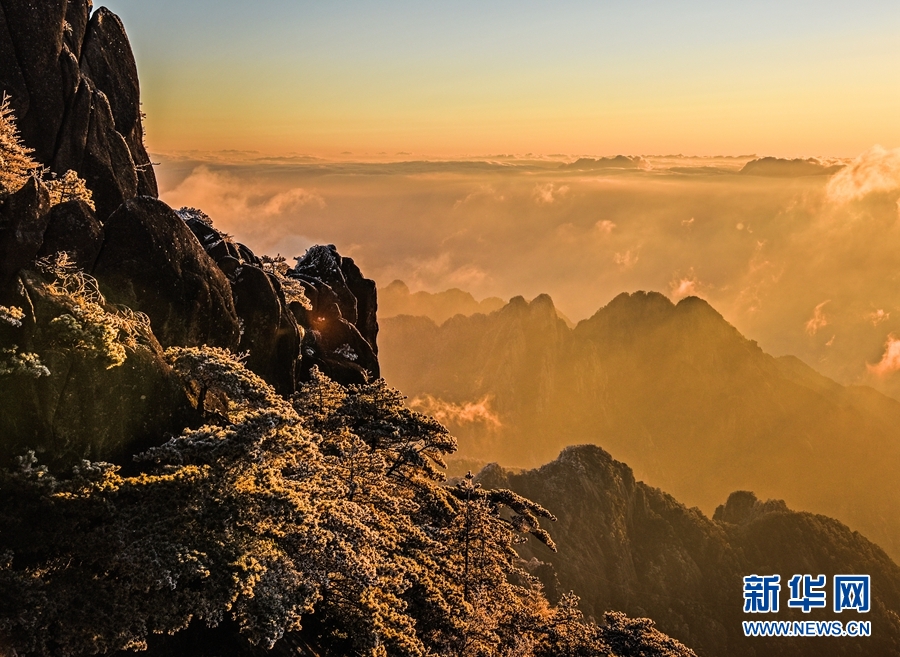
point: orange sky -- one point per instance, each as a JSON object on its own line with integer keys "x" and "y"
{"x": 787, "y": 79}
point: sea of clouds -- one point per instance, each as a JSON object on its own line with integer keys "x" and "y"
{"x": 806, "y": 265}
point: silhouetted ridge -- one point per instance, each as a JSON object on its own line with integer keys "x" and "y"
{"x": 625, "y": 545}
{"x": 617, "y": 162}
{"x": 673, "y": 389}
{"x": 782, "y": 168}
{"x": 396, "y": 299}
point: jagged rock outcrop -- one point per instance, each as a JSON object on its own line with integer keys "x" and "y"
{"x": 75, "y": 97}
{"x": 342, "y": 319}
{"x": 73, "y": 85}
{"x": 147, "y": 259}
{"x": 334, "y": 328}
{"x": 107, "y": 60}
{"x": 627, "y": 546}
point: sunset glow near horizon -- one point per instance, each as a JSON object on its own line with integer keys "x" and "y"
{"x": 399, "y": 79}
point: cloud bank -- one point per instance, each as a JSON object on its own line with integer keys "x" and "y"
{"x": 476, "y": 412}
{"x": 765, "y": 251}
{"x": 877, "y": 171}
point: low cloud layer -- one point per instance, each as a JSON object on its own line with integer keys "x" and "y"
{"x": 890, "y": 362}
{"x": 476, "y": 412}
{"x": 877, "y": 171}
{"x": 765, "y": 251}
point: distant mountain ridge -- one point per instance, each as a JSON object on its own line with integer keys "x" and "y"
{"x": 673, "y": 390}
{"x": 397, "y": 299}
{"x": 625, "y": 545}
{"x": 783, "y": 168}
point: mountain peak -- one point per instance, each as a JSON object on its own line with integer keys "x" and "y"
{"x": 743, "y": 506}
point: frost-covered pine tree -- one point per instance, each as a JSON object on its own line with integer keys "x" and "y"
{"x": 16, "y": 163}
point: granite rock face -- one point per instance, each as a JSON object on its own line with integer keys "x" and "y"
{"x": 72, "y": 227}
{"x": 151, "y": 262}
{"x": 23, "y": 220}
{"x": 271, "y": 335}
{"x": 73, "y": 85}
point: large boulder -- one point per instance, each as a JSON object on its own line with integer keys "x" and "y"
{"x": 270, "y": 337}
{"x": 23, "y": 219}
{"x": 72, "y": 228}
{"x": 151, "y": 262}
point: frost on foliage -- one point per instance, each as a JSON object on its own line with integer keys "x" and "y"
{"x": 346, "y": 351}
{"x": 639, "y": 637}
{"x": 89, "y": 328}
{"x": 322, "y": 516}
{"x": 69, "y": 188}
{"x": 16, "y": 165}
{"x": 15, "y": 158}
{"x": 13, "y": 361}
{"x": 292, "y": 288}
{"x": 188, "y": 213}
{"x": 213, "y": 373}
{"x": 12, "y": 315}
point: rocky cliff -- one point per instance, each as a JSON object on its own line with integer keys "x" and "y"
{"x": 71, "y": 82}
{"x": 73, "y": 85}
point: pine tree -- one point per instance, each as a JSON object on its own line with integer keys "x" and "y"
{"x": 319, "y": 518}
{"x": 69, "y": 188}
{"x": 16, "y": 163}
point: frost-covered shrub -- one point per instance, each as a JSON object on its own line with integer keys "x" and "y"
{"x": 12, "y": 316}
{"x": 69, "y": 188}
{"x": 13, "y": 361}
{"x": 15, "y": 158}
{"x": 16, "y": 165}
{"x": 322, "y": 516}
{"x": 90, "y": 328}
{"x": 292, "y": 288}
{"x": 188, "y": 213}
